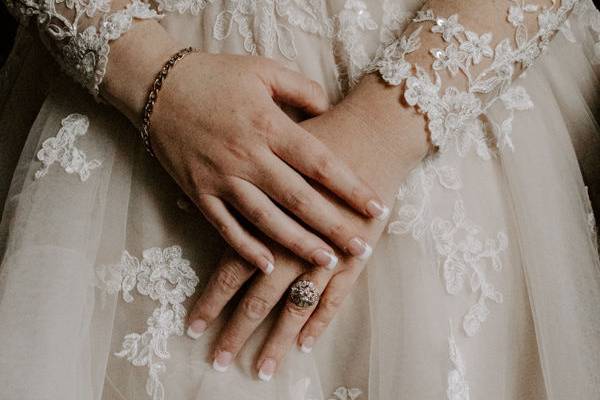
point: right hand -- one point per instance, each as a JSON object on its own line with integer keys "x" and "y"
{"x": 217, "y": 130}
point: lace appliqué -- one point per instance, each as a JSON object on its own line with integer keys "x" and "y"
{"x": 394, "y": 19}
{"x": 464, "y": 256}
{"x": 455, "y": 122}
{"x": 454, "y": 115}
{"x": 61, "y": 149}
{"x": 345, "y": 393}
{"x": 259, "y": 23}
{"x": 82, "y": 53}
{"x": 588, "y": 15}
{"x": 183, "y": 6}
{"x": 415, "y": 197}
{"x": 462, "y": 253}
{"x": 458, "y": 387}
{"x": 166, "y": 277}
{"x": 351, "y": 57}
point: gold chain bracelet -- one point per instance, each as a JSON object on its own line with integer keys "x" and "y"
{"x": 153, "y": 94}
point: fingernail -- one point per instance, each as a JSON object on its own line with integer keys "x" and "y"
{"x": 267, "y": 369}
{"x": 268, "y": 267}
{"x": 196, "y": 329}
{"x": 378, "y": 210}
{"x": 307, "y": 344}
{"x": 325, "y": 259}
{"x": 359, "y": 248}
{"x": 222, "y": 361}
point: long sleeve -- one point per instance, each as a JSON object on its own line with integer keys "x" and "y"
{"x": 452, "y": 72}
{"x": 78, "y": 32}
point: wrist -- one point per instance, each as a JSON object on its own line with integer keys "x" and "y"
{"x": 396, "y": 128}
{"x": 134, "y": 61}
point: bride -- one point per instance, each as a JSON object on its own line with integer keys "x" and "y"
{"x": 286, "y": 199}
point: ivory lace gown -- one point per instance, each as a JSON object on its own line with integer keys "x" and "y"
{"x": 485, "y": 286}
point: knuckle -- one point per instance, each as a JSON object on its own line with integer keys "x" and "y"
{"x": 236, "y": 147}
{"x": 231, "y": 340}
{"x": 331, "y": 303}
{"x": 228, "y": 278}
{"x": 255, "y": 307}
{"x": 357, "y": 192}
{"x": 259, "y": 216}
{"x": 324, "y": 168}
{"x": 297, "y": 245}
{"x": 338, "y": 231}
{"x": 297, "y": 200}
{"x": 206, "y": 310}
{"x": 264, "y": 123}
{"x": 225, "y": 230}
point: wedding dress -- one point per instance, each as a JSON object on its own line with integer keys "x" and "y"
{"x": 486, "y": 284}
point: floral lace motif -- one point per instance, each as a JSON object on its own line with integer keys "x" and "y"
{"x": 259, "y": 22}
{"x": 61, "y": 148}
{"x": 166, "y": 277}
{"x": 454, "y": 116}
{"x": 455, "y": 122}
{"x": 83, "y": 52}
{"x": 415, "y": 196}
{"x": 345, "y": 393}
{"x": 459, "y": 121}
{"x": 588, "y": 16}
{"x": 458, "y": 387}
{"x": 351, "y": 56}
{"x": 464, "y": 255}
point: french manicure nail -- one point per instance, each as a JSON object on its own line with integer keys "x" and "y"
{"x": 222, "y": 361}
{"x": 325, "y": 259}
{"x": 196, "y": 329}
{"x": 269, "y": 268}
{"x": 359, "y": 248}
{"x": 378, "y": 210}
{"x": 267, "y": 369}
{"x": 307, "y": 344}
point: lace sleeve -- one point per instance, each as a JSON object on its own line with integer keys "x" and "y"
{"x": 453, "y": 75}
{"x": 78, "y": 32}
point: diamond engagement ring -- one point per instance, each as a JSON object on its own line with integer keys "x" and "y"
{"x": 304, "y": 294}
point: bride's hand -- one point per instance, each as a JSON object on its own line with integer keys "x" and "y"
{"x": 216, "y": 128}
{"x": 366, "y": 142}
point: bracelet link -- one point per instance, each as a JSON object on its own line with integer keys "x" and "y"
{"x": 153, "y": 95}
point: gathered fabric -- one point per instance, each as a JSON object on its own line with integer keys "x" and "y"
{"x": 486, "y": 283}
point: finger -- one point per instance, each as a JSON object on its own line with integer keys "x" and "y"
{"x": 262, "y": 295}
{"x": 283, "y": 335}
{"x": 293, "y": 88}
{"x": 331, "y": 300}
{"x": 231, "y": 273}
{"x": 260, "y": 211}
{"x": 319, "y": 163}
{"x": 293, "y": 193}
{"x": 246, "y": 245}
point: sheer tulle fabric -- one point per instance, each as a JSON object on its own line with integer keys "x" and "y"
{"x": 393, "y": 338}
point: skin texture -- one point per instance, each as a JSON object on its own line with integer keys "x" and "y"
{"x": 382, "y": 140}
{"x": 226, "y": 152}
{"x": 396, "y": 142}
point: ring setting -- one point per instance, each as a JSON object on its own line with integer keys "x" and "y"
{"x": 304, "y": 294}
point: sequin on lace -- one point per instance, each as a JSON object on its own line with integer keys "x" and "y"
{"x": 453, "y": 115}
{"x": 459, "y": 122}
